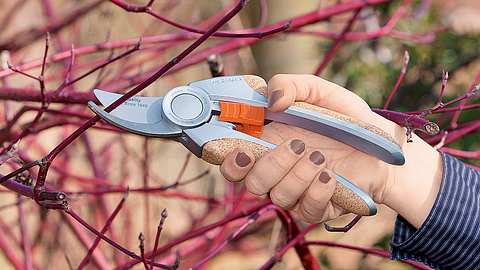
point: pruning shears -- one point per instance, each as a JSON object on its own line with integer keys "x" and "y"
{"x": 212, "y": 117}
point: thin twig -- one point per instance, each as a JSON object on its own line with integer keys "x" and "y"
{"x": 105, "y": 228}
{"x": 163, "y": 217}
{"x": 141, "y": 246}
{"x": 403, "y": 71}
{"x": 337, "y": 43}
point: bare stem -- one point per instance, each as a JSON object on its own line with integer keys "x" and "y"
{"x": 105, "y": 228}
{"x": 403, "y": 71}
{"x": 337, "y": 43}
{"x": 159, "y": 231}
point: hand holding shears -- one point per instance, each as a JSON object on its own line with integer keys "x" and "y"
{"x": 215, "y": 116}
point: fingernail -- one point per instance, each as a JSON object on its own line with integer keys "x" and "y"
{"x": 317, "y": 158}
{"x": 297, "y": 146}
{"x": 274, "y": 97}
{"x": 242, "y": 159}
{"x": 324, "y": 177}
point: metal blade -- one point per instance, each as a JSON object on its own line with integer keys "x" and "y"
{"x": 136, "y": 109}
{"x": 158, "y": 129}
{"x": 349, "y": 133}
{"x": 231, "y": 88}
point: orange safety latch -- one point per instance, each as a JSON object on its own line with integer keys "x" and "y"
{"x": 247, "y": 119}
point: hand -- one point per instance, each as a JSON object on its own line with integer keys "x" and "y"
{"x": 298, "y": 174}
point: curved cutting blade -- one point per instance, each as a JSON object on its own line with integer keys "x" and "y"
{"x": 140, "y": 115}
{"x": 136, "y": 109}
{"x": 158, "y": 129}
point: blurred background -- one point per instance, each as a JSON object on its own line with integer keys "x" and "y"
{"x": 441, "y": 35}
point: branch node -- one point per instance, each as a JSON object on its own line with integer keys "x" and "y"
{"x": 215, "y": 65}
{"x": 431, "y": 128}
{"x": 125, "y": 194}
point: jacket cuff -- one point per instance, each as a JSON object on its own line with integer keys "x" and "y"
{"x": 450, "y": 236}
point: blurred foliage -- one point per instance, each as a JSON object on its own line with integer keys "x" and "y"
{"x": 371, "y": 68}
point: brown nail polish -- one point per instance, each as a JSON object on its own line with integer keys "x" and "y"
{"x": 317, "y": 158}
{"x": 242, "y": 159}
{"x": 297, "y": 146}
{"x": 324, "y": 177}
{"x": 274, "y": 97}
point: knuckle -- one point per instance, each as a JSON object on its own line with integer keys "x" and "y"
{"x": 278, "y": 162}
{"x": 278, "y": 78}
{"x": 312, "y": 215}
{"x": 232, "y": 177}
{"x": 281, "y": 199}
{"x": 254, "y": 185}
{"x": 281, "y": 81}
{"x": 316, "y": 197}
{"x": 302, "y": 177}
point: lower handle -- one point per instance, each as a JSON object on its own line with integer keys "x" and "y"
{"x": 346, "y": 195}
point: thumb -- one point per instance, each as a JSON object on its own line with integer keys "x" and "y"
{"x": 284, "y": 89}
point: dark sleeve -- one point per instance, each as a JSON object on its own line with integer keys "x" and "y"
{"x": 450, "y": 236}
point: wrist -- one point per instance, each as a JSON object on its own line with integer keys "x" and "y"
{"x": 411, "y": 189}
{"x": 414, "y": 186}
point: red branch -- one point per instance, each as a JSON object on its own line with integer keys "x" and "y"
{"x": 105, "y": 228}
{"x": 336, "y": 44}
{"x": 373, "y": 251}
{"x": 403, "y": 71}
{"x": 27, "y": 37}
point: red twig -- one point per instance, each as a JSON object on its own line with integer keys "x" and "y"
{"x": 373, "y": 251}
{"x": 471, "y": 89}
{"x": 30, "y": 94}
{"x": 105, "y": 228}
{"x": 42, "y": 173}
{"x": 279, "y": 254}
{"x": 141, "y": 246}
{"x": 146, "y": 176}
{"x": 251, "y": 219}
{"x": 442, "y": 87}
{"x": 455, "y": 134}
{"x": 403, "y": 71}
{"x": 247, "y": 33}
{"x": 9, "y": 253}
{"x": 104, "y": 64}
{"x": 195, "y": 233}
{"x": 385, "y": 30}
{"x": 306, "y": 257}
{"x": 41, "y": 82}
{"x": 163, "y": 217}
{"x": 10, "y": 14}
{"x": 98, "y": 258}
{"x": 26, "y": 37}
{"x": 461, "y": 153}
{"x": 337, "y": 43}
{"x": 26, "y": 245}
{"x": 108, "y": 240}
{"x": 296, "y": 22}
